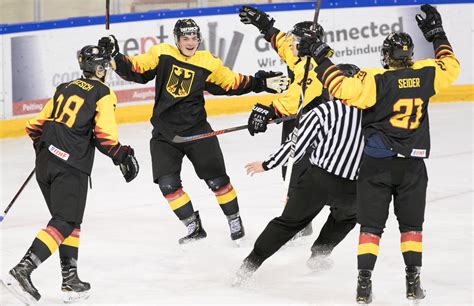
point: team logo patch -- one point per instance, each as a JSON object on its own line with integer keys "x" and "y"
{"x": 58, "y": 152}
{"x": 361, "y": 75}
{"x": 180, "y": 82}
{"x": 418, "y": 153}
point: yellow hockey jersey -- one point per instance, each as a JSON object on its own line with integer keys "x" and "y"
{"x": 287, "y": 103}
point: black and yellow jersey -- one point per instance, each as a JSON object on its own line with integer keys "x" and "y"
{"x": 287, "y": 103}
{"x": 79, "y": 117}
{"x": 180, "y": 85}
{"x": 395, "y": 102}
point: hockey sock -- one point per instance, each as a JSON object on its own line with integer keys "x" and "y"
{"x": 367, "y": 251}
{"x": 411, "y": 247}
{"x": 70, "y": 246}
{"x": 227, "y": 198}
{"x": 180, "y": 203}
{"x": 46, "y": 242}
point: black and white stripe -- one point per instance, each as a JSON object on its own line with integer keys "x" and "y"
{"x": 333, "y": 130}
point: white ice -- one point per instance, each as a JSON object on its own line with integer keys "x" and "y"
{"x": 130, "y": 255}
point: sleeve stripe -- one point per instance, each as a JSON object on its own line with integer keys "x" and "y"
{"x": 335, "y": 86}
{"x": 332, "y": 77}
{"x": 443, "y": 47}
{"x": 327, "y": 72}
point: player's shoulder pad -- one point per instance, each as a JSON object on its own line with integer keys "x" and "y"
{"x": 211, "y": 61}
{"x": 369, "y": 72}
{"x": 163, "y": 48}
{"x": 428, "y": 62}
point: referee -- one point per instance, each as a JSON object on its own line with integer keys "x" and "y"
{"x": 331, "y": 135}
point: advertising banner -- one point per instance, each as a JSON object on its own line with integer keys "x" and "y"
{"x": 41, "y": 60}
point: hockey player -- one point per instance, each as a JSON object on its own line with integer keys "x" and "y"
{"x": 395, "y": 124}
{"x": 331, "y": 133}
{"x": 287, "y": 104}
{"x": 79, "y": 117}
{"x": 182, "y": 74}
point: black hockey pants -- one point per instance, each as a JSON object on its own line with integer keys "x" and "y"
{"x": 314, "y": 189}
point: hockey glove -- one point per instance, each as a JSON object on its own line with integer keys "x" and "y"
{"x": 431, "y": 26}
{"x": 348, "y": 70}
{"x": 128, "y": 163}
{"x": 110, "y": 44}
{"x": 250, "y": 15}
{"x": 270, "y": 81}
{"x": 259, "y": 118}
{"x": 314, "y": 47}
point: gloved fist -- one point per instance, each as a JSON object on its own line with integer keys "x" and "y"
{"x": 259, "y": 118}
{"x": 110, "y": 44}
{"x": 128, "y": 163}
{"x": 250, "y": 15}
{"x": 348, "y": 70}
{"x": 270, "y": 81}
{"x": 431, "y": 26}
{"x": 314, "y": 47}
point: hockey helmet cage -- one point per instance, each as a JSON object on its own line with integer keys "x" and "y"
{"x": 397, "y": 50}
{"x": 92, "y": 57}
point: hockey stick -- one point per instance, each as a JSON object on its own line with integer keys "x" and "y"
{"x": 294, "y": 134}
{"x": 16, "y": 195}
{"x": 181, "y": 139}
{"x": 107, "y": 14}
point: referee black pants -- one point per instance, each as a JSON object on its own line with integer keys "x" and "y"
{"x": 314, "y": 189}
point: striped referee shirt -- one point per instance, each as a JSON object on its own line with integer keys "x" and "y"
{"x": 331, "y": 132}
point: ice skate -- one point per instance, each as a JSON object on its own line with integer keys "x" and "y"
{"x": 236, "y": 227}
{"x": 364, "y": 287}
{"x": 72, "y": 287}
{"x": 195, "y": 229}
{"x": 414, "y": 289}
{"x": 19, "y": 281}
{"x": 244, "y": 274}
{"x": 320, "y": 262}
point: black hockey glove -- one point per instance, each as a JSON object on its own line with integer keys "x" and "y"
{"x": 259, "y": 118}
{"x": 128, "y": 163}
{"x": 348, "y": 70}
{"x": 270, "y": 81}
{"x": 250, "y": 15}
{"x": 314, "y": 47}
{"x": 110, "y": 44}
{"x": 431, "y": 26}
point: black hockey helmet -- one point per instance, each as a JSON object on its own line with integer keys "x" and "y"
{"x": 92, "y": 59}
{"x": 397, "y": 50}
{"x": 305, "y": 28}
{"x": 186, "y": 27}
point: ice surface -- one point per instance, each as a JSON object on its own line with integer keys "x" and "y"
{"x": 130, "y": 255}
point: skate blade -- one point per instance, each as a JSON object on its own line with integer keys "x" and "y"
{"x": 238, "y": 242}
{"x": 319, "y": 266}
{"x": 14, "y": 287}
{"x": 72, "y": 296}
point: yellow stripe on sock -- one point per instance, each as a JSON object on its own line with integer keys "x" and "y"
{"x": 179, "y": 202}
{"x": 368, "y": 248}
{"x": 48, "y": 241}
{"x": 412, "y": 246}
{"x": 226, "y": 198}
{"x": 71, "y": 241}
